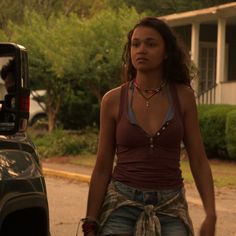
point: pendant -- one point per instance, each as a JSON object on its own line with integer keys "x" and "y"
{"x": 147, "y": 104}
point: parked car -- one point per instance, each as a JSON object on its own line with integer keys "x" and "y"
{"x": 37, "y": 108}
{"x": 23, "y": 197}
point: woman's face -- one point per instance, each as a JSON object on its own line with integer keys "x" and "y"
{"x": 147, "y": 49}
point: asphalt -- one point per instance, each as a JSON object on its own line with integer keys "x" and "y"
{"x": 83, "y": 174}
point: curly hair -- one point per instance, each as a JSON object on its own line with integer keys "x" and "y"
{"x": 177, "y": 63}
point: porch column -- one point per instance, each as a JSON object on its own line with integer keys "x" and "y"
{"x": 195, "y": 49}
{"x": 220, "y": 60}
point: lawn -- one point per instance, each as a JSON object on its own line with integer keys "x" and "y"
{"x": 224, "y": 172}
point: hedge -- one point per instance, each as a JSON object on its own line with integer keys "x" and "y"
{"x": 231, "y": 134}
{"x": 213, "y": 119}
{"x": 66, "y": 143}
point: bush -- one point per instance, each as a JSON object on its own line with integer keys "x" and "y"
{"x": 231, "y": 134}
{"x": 61, "y": 142}
{"x": 203, "y": 108}
{"x": 213, "y": 126}
{"x": 79, "y": 111}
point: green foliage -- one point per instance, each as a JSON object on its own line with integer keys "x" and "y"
{"x": 231, "y": 134}
{"x": 14, "y": 10}
{"x": 8, "y": 11}
{"x": 203, "y": 108}
{"x": 159, "y": 7}
{"x": 3, "y": 36}
{"x": 213, "y": 125}
{"x": 61, "y": 143}
{"x": 79, "y": 110}
{"x": 103, "y": 38}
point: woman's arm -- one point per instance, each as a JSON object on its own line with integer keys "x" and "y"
{"x": 105, "y": 155}
{"x": 199, "y": 164}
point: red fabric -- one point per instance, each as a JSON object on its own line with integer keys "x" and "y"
{"x": 145, "y": 163}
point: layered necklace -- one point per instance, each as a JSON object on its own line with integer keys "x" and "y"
{"x": 152, "y": 92}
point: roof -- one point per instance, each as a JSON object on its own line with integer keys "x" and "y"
{"x": 210, "y": 14}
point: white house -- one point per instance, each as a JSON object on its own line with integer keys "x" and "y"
{"x": 210, "y": 34}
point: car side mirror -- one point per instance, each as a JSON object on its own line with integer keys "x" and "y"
{"x": 14, "y": 88}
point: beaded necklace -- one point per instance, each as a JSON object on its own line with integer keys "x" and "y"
{"x": 152, "y": 91}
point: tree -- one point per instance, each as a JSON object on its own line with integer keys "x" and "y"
{"x": 13, "y": 10}
{"x": 98, "y": 42}
{"x": 159, "y": 7}
{"x": 107, "y": 31}
{"x": 67, "y": 52}
{"x": 37, "y": 37}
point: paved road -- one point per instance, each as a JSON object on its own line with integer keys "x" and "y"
{"x": 67, "y": 203}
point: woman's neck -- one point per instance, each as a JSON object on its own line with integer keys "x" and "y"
{"x": 149, "y": 81}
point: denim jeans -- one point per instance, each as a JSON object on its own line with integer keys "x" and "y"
{"x": 123, "y": 220}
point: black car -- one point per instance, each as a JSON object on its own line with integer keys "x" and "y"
{"x": 23, "y": 197}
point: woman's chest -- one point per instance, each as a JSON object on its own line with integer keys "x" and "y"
{"x": 132, "y": 135}
{"x": 152, "y": 116}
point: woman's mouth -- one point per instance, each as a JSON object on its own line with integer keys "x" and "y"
{"x": 141, "y": 59}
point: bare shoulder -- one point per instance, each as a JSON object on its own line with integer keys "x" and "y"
{"x": 186, "y": 96}
{"x": 184, "y": 91}
{"x": 112, "y": 96}
{"x": 111, "y": 100}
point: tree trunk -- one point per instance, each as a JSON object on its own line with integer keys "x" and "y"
{"x": 53, "y": 105}
{"x": 51, "y": 121}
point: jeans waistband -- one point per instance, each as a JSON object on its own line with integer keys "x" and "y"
{"x": 145, "y": 196}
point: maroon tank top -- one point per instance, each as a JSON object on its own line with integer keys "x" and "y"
{"x": 144, "y": 161}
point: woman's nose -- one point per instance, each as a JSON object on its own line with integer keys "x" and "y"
{"x": 142, "y": 48}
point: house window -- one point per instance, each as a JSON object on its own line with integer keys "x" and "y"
{"x": 207, "y": 66}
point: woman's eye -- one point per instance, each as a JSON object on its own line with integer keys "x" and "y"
{"x": 151, "y": 44}
{"x": 134, "y": 44}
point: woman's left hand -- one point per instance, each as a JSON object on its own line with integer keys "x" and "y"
{"x": 208, "y": 226}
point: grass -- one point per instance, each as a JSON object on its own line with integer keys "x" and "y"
{"x": 84, "y": 160}
{"x": 64, "y": 142}
{"x": 224, "y": 172}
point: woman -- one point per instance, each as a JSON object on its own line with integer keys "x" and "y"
{"x": 143, "y": 122}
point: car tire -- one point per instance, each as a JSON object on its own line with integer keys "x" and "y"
{"x": 39, "y": 121}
